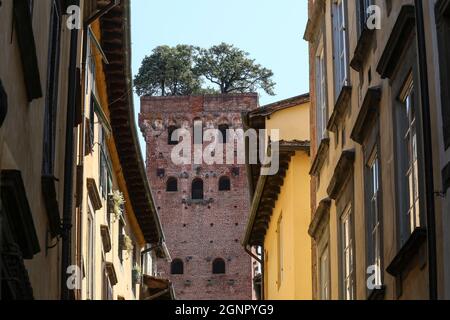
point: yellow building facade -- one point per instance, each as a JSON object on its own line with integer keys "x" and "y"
{"x": 280, "y": 212}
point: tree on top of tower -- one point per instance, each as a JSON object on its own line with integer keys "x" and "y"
{"x": 187, "y": 70}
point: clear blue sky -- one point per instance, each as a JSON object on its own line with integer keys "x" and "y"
{"x": 271, "y": 31}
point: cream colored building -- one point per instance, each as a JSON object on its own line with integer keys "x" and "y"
{"x": 77, "y": 214}
{"x": 375, "y": 207}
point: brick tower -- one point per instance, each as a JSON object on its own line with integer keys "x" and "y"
{"x": 203, "y": 208}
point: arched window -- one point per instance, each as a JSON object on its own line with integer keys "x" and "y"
{"x": 218, "y": 266}
{"x": 177, "y": 267}
{"x": 172, "y": 185}
{"x": 223, "y": 128}
{"x": 197, "y": 189}
{"x": 224, "y": 184}
{"x": 170, "y": 132}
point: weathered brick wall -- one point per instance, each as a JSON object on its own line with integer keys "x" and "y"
{"x": 198, "y": 233}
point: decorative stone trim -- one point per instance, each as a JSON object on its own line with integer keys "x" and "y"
{"x": 367, "y": 112}
{"x": 362, "y": 49}
{"x": 320, "y": 219}
{"x": 311, "y": 27}
{"x": 25, "y": 38}
{"x": 320, "y": 157}
{"x": 339, "y": 109}
{"x": 396, "y": 44}
{"x": 407, "y": 252}
{"x": 341, "y": 172}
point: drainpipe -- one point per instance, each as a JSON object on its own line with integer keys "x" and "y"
{"x": 428, "y": 150}
{"x": 69, "y": 165}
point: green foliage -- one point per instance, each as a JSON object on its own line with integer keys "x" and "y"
{"x": 233, "y": 71}
{"x": 182, "y": 70}
{"x": 168, "y": 71}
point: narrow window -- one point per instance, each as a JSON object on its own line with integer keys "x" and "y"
{"x": 224, "y": 184}
{"x": 172, "y": 184}
{"x": 172, "y": 138}
{"x": 92, "y": 123}
{"x": 340, "y": 45}
{"x": 280, "y": 250}
{"x": 363, "y": 14}
{"x": 51, "y": 100}
{"x": 91, "y": 254}
{"x": 177, "y": 267}
{"x": 223, "y": 128}
{"x": 410, "y": 165}
{"x": 218, "y": 266}
{"x": 197, "y": 189}
{"x": 373, "y": 218}
{"x": 121, "y": 240}
{"x": 347, "y": 255}
{"x": 321, "y": 96}
{"x": 324, "y": 274}
{"x": 443, "y": 36}
{"x": 105, "y": 166}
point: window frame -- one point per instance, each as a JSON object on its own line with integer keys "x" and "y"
{"x": 52, "y": 90}
{"x": 222, "y": 267}
{"x": 194, "y": 197}
{"x": 323, "y": 244}
{"x": 406, "y": 229}
{"x": 442, "y": 13}
{"x": 223, "y": 129}
{"x": 340, "y": 46}
{"x": 90, "y": 253}
{"x": 346, "y": 224}
{"x": 173, "y": 264}
{"x": 363, "y": 16}
{"x": 280, "y": 252}
{"x": 406, "y": 77}
{"x": 227, "y": 187}
{"x": 321, "y": 93}
{"x": 170, "y": 131}
{"x": 374, "y": 249}
{"x": 169, "y": 180}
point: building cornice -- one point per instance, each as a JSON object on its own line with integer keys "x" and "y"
{"x": 342, "y": 171}
{"x": 320, "y": 157}
{"x": 116, "y": 43}
{"x": 400, "y": 35}
{"x": 340, "y": 107}
{"x": 368, "y": 111}
{"x": 320, "y": 219}
{"x": 362, "y": 48}
{"x": 267, "y": 192}
{"x": 313, "y": 21}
